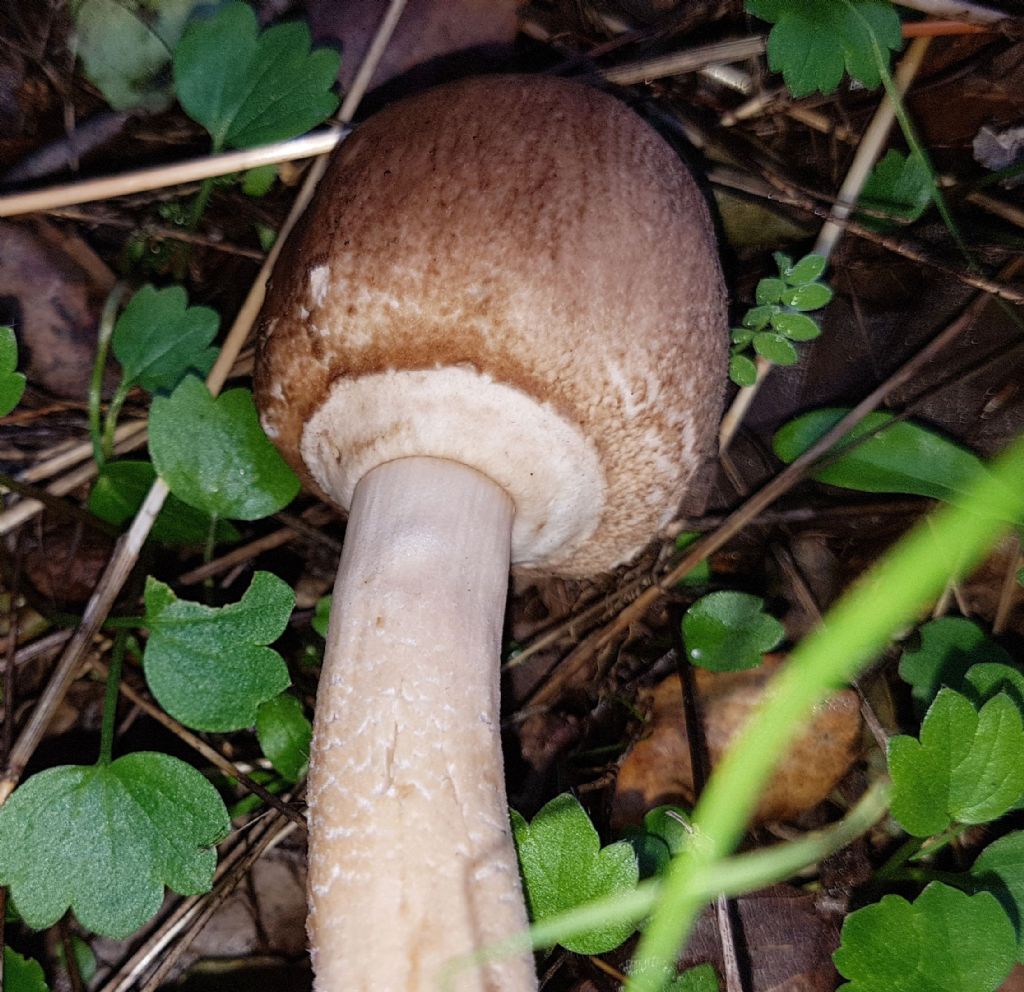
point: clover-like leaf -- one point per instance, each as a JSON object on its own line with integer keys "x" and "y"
{"x": 742, "y": 370}
{"x": 105, "y": 839}
{"x": 758, "y": 318}
{"x": 944, "y": 941}
{"x": 248, "y": 87}
{"x": 946, "y": 650}
{"x": 12, "y": 383}
{"x": 210, "y": 667}
{"x": 812, "y": 296}
{"x": 284, "y": 733}
{"x": 213, "y": 454}
{"x": 999, "y": 869}
{"x": 775, "y": 348}
{"x": 796, "y": 326}
{"x": 769, "y": 291}
{"x": 967, "y": 766}
{"x": 563, "y": 866}
{"x": 729, "y": 631}
{"x": 159, "y": 338}
{"x": 125, "y": 46}
{"x": 900, "y": 186}
{"x": 22, "y": 974}
{"x": 985, "y": 680}
{"x": 806, "y": 270}
{"x": 814, "y": 40}
{"x": 665, "y": 832}
{"x": 121, "y": 489}
{"x": 895, "y": 457}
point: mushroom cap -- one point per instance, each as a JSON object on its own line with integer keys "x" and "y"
{"x": 516, "y": 273}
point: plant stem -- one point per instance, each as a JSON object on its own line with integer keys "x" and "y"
{"x": 110, "y": 698}
{"x": 110, "y": 424}
{"x": 895, "y": 862}
{"x": 106, "y": 331}
{"x": 200, "y": 203}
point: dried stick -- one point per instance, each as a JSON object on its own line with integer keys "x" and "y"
{"x": 957, "y": 10}
{"x": 174, "y": 174}
{"x": 868, "y": 151}
{"x": 127, "y": 551}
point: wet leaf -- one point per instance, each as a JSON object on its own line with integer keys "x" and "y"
{"x": 727, "y": 631}
{"x": 742, "y": 370}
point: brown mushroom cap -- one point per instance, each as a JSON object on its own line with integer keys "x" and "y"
{"x": 516, "y": 273}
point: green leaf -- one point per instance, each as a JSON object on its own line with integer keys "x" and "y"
{"x": 796, "y": 326}
{"x": 769, "y": 291}
{"x": 999, "y": 869}
{"x": 900, "y": 186}
{"x": 809, "y": 268}
{"x": 775, "y": 348}
{"x": 284, "y": 734}
{"x": 986, "y": 680}
{"x": 209, "y": 667}
{"x": 213, "y": 454}
{"x": 159, "y": 338}
{"x": 742, "y": 370}
{"x": 741, "y": 336}
{"x": 563, "y": 866}
{"x": 259, "y": 180}
{"x": 967, "y": 767}
{"x": 700, "y": 574}
{"x": 948, "y": 647}
{"x": 902, "y": 457}
{"x": 12, "y": 383}
{"x": 729, "y": 631}
{"x": 249, "y": 88}
{"x": 813, "y": 40}
{"x": 120, "y": 490}
{"x": 22, "y": 974}
{"x": 104, "y": 840}
{"x": 757, "y": 318}
{"x": 322, "y": 615}
{"x": 125, "y": 45}
{"x": 944, "y": 941}
{"x": 703, "y": 978}
{"x": 812, "y": 296}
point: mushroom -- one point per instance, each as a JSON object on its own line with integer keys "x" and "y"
{"x": 498, "y": 335}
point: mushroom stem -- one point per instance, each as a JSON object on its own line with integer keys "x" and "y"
{"x": 411, "y": 857}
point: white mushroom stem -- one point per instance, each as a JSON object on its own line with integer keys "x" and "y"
{"x": 411, "y": 858}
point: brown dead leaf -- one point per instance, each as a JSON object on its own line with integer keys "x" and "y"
{"x": 52, "y": 289}
{"x": 657, "y": 769}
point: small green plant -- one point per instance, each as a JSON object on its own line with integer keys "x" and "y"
{"x": 944, "y": 939}
{"x": 728, "y": 631}
{"x": 563, "y": 866}
{"x": 813, "y": 41}
{"x": 779, "y": 317}
{"x": 284, "y": 733}
{"x": 210, "y": 667}
{"x": 22, "y": 974}
{"x": 12, "y": 382}
{"x": 900, "y": 188}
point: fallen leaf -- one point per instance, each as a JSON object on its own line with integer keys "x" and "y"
{"x": 657, "y": 768}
